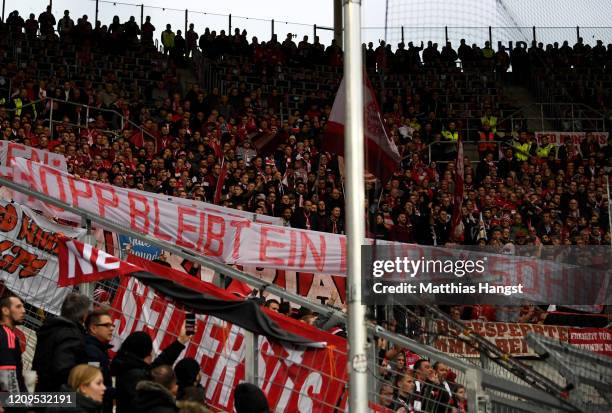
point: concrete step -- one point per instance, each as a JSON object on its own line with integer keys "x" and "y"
{"x": 522, "y": 97}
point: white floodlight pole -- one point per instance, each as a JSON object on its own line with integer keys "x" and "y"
{"x": 355, "y": 205}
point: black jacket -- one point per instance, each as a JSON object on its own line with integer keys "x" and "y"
{"x": 83, "y": 404}
{"x": 11, "y": 367}
{"x": 152, "y": 397}
{"x": 97, "y": 352}
{"x": 59, "y": 347}
{"x": 130, "y": 369}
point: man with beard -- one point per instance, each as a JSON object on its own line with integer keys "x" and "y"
{"x": 12, "y": 314}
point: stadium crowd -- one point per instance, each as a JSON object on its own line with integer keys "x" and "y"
{"x": 72, "y": 355}
{"x": 239, "y": 149}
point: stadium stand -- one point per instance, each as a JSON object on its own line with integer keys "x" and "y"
{"x": 241, "y": 124}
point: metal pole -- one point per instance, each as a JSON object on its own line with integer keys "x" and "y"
{"x": 96, "y": 14}
{"x": 141, "y": 15}
{"x": 251, "y": 362}
{"x": 534, "y": 33}
{"x": 87, "y": 288}
{"x": 474, "y": 389}
{"x": 314, "y": 32}
{"x": 338, "y": 21}
{"x": 577, "y": 33}
{"x": 402, "y": 34}
{"x": 446, "y": 34}
{"x": 490, "y": 37}
{"x": 230, "y": 25}
{"x": 3, "y": 6}
{"x": 272, "y": 35}
{"x": 355, "y": 199}
{"x": 186, "y": 20}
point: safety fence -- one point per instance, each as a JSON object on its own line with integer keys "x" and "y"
{"x": 476, "y": 380}
{"x": 264, "y": 28}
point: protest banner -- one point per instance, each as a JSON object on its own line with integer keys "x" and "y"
{"x": 510, "y": 337}
{"x": 597, "y": 340}
{"x": 218, "y": 209}
{"x": 300, "y": 368}
{"x": 293, "y": 378}
{"x": 28, "y": 255}
{"x": 11, "y": 150}
{"x": 228, "y": 239}
{"x": 559, "y": 138}
{"x": 238, "y": 241}
{"x": 317, "y": 287}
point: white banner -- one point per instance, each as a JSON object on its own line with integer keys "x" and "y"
{"x": 28, "y": 260}
{"x": 227, "y": 238}
{"x": 205, "y": 206}
{"x": 11, "y": 150}
{"x": 234, "y": 240}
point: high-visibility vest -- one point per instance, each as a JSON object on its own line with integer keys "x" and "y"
{"x": 486, "y": 143}
{"x": 543, "y": 151}
{"x": 488, "y": 53}
{"x": 19, "y": 108}
{"x": 491, "y": 120}
{"x": 451, "y": 136}
{"x": 168, "y": 39}
{"x": 522, "y": 153}
{"x": 18, "y": 105}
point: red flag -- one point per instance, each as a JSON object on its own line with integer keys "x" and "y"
{"x": 82, "y": 263}
{"x": 382, "y": 156}
{"x": 239, "y": 288}
{"x": 220, "y": 182}
{"x": 457, "y": 224}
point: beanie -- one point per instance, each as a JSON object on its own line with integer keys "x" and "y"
{"x": 249, "y": 398}
{"x": 138, "y": 343}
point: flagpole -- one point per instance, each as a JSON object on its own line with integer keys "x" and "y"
{"x": 355, "y": 203}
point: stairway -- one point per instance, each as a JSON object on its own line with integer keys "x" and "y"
{"x": 186, "y": 78}
{"x": 521, "y": 97}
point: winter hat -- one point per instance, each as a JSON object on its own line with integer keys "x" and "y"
{"x": 186, "y": 371}
{"x": 249, "y": 398}
{"x": 138, "y": 343}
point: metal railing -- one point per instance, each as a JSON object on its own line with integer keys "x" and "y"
{"x": 82, "y": 120}
{"x": 565, "y": 117}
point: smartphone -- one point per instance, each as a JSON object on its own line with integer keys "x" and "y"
{"x": 190, "y": 320}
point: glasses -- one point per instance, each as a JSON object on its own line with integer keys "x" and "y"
{"x": 107, "y": 325}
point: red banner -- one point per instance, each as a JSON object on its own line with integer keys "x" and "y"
{"x": 510, "y": 337}
{"x": 294, "y": 379}
{"x": 559, "y": 138}
{"x": 597, "y": 340}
